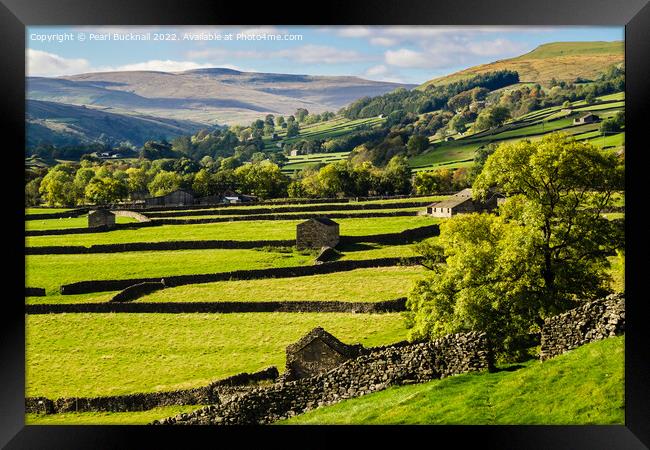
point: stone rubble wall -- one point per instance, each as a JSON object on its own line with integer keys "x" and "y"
{"x": 137, "y": 290}
{"x": 294, "y": 209}
{"x": 84, "y": 287}
{"x": 132, "y": 214}
{"x": 590, "y": 322}
{"x": 404, "y": 237}
{"x": 214, "y": 393}
{"x": 373, "y": 371}
{"x": 385, "y": 306}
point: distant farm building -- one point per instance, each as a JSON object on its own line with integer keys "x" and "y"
{"x": 316, "y": 353}
{"x": 101, "y": 218}
{"x": 317, "y": 233}
{"x": 587, "y": 118}
{"x": 179, "y": 197}
{"x": 295, "y": 152}
{"x": 449, "y": 138}
{"x": 461, "y": 203}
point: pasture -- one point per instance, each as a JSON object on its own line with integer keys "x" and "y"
{"x": 460, "y": 152}
{"x": 110, "y": 354}
{"x": 583, "y": 386}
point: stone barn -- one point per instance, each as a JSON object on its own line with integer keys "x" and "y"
{"x": 461, "y": 203}
{"x": 101, "y": 218}
{"x": 179, "y": 197}
{"x": 317, "y": 233}
{"x": 587, "y": 118}
{"x": 317, "y": 352}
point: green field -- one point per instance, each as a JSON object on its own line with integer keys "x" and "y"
{"x": 460, "y": 152}
{"x": 108, "y": 418}
{"x": 46, "y": 210}
{"x": 336, "y": 127}
{"x": 387, "y": 283}
{"x": 51, "y": 271}
{"x": 70, "y": 222}
{"x": 583, "y": 386}
{"x": 110, "y": 354}
{"x": 241, "y": 231}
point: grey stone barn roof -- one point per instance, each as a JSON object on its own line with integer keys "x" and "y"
{"x": 320, "y": 333}
{"x": 323, "y": 220}
{"x": 100, "y": 212}
{"x": 450, "y": 203}
{"x": 187, "y": 191}
{"x": 457, "y": 199}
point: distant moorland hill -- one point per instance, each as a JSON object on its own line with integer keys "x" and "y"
{"x": 207, "y": 96}
{"x": 560, "y": 60}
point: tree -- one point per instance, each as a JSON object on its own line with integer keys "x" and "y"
{"x": 164, "y": 183}
{"x": 136, "y": 180}
{"x": 32, "y": 196}
{"x": 492, "y": 117}
{"x": 204, "y": 184}
{"x": 417, "y": 144}
{"x": 545, "y": 252}
{"x": 263, "y": 179}
{"x": 279, "y": 121}
{"x": 293, "y": 129}
{"x": 396, "y": 177}
{"x": 57, "y": 187}
{"x": 103, "y": 191}
{"x": 301, "y": 113}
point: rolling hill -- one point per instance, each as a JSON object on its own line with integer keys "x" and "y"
{"x": 560, "y": 60}
{"x": 207, "y": 96}
{"x": 61, "y": 124}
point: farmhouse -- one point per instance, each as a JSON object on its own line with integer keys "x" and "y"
{"x": 315, "y": 353}
{"x": 587, "y": 118}
{"x": 317, "y": 233}
{"x": 462, "y": 203}
{"x": 179, "y": 197}
{"x": 101, "y": 218}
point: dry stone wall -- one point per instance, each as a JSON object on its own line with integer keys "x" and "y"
{"x": 373, "y": 371}
{"x": 386, "y": 306}
{"x": 591, "y": 322}
{"x": 214, "y": 393}
{"x": 84, "y": 287}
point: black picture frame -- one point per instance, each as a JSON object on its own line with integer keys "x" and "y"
{"x": 15, "y": 15}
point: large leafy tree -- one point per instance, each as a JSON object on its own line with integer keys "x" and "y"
{"x": 544, "y": 253}
{"x": 58, "y": 188}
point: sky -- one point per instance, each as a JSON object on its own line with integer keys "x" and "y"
{"x": 405, "y": 54}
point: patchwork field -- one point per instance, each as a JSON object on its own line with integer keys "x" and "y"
{"x": 239, "y": 231}
{"x": 107, "y": 354}
{"x": 78, "y": 354}
{"x": 460, "y": 152}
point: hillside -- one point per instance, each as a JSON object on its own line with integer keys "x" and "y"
{"x": 206, "y": 96}
{"x": 560, "y": 60}
{"x": 62, "y": 124}
{"x": 591, "y": 377}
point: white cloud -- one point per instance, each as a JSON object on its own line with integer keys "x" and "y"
{"x": 40, "y": 63}
{"x": 319, "y": 54}
{"x": 407, "y": 58}
{"x": 384, "y": 41}
{"x": 46, "y": 64}
{"x": 354, "y": 31}
{"x": 497, "y": 47}
{"x": 382, "y": 73}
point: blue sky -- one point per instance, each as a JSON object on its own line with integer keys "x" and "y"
{"x": 412, "y": 54}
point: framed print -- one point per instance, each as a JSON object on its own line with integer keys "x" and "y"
{"x": 265, "y": 222}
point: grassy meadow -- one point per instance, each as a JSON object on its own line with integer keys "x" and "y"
{"x": 110, "y": 354}
{"x": 583, "y": 386}
{"x": 239, "y": 231}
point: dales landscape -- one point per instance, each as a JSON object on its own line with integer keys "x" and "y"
{"x": 328, "y": 250}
